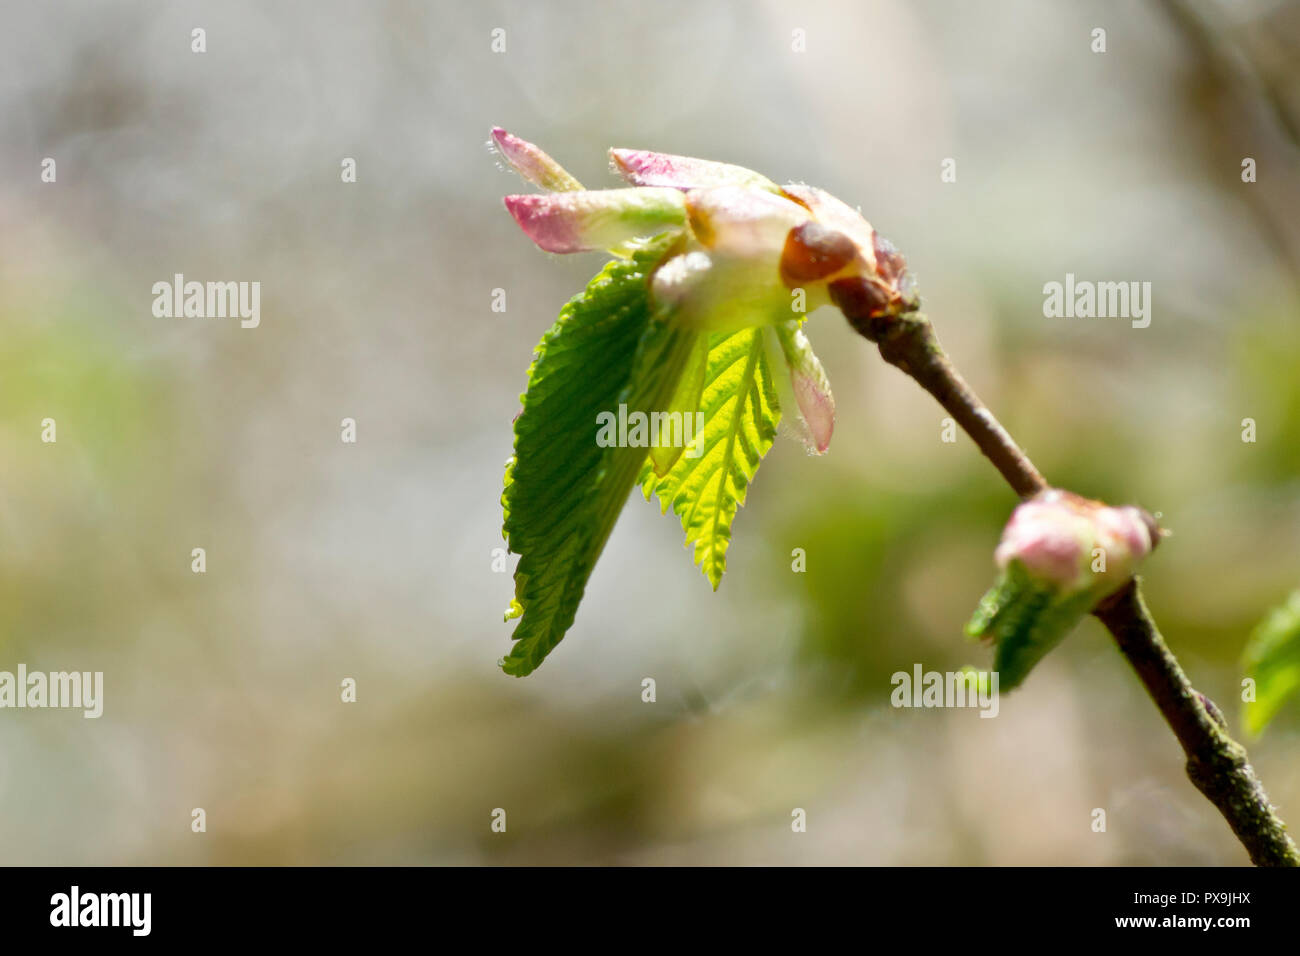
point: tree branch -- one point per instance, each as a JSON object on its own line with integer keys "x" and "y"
{"x": 1217, "y": 764}
{"x": 910, "y": 344}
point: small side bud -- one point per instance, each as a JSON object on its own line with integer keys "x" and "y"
{"x": 1049, "y": 577}
{"x": 812, "y": 389}
{"x": 1054, "y": 534}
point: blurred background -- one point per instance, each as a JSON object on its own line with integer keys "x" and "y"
{"x": 374, "y": 561}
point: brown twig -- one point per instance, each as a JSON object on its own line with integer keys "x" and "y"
{"x": 1216, "y": 763}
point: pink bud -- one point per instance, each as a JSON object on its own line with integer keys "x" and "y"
{"x": 532, "y": 163}
{"x": 596, "y": 219}
{"x": 643, "y": 168}
{"x": 812, "y": 389}
{"x": 818, "y": 409}
{"x": 1056, "y": 534}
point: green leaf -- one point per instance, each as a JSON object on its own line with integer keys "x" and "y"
{"x": 563, "y": 491}
{"x": 707, "y": 484}
{"x": 685, "y": 402}
{"x": 1026, "y": 619}
{"x": 1272, "y": 659}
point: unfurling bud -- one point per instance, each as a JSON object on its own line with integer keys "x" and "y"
{"x": 759, "y": 241}
{"x": 745, "y": 252}
{"x": 1060, "y": 555}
